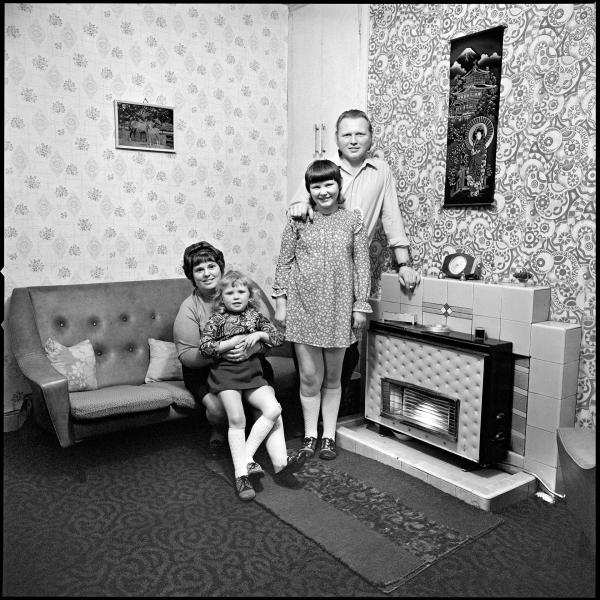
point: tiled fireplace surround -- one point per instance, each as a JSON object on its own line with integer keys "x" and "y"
{"x": 545, "y": 379}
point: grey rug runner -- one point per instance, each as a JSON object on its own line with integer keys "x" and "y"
{"x": 383, "y": 524}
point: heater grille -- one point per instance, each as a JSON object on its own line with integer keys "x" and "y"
{"x": 420, "y": 407}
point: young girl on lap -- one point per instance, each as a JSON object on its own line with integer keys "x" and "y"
{"x": 237, "y": 321}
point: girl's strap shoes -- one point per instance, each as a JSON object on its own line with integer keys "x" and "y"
{"x": 309, "y": 446}
{"x": 244, "y": 488}
{"x": 255, "y": 470}
{"x": 327, "y": 451}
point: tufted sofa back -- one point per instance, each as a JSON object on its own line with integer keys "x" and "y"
{"x": 117, "y": 317}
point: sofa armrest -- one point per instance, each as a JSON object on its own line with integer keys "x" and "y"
{"x": 35, "y": 366}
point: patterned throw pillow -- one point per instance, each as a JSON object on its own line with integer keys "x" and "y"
{"x": 77, "y": 363}
{"x": 164, "y": 362}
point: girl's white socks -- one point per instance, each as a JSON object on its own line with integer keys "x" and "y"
{"x": 257, "y": 434}
{"x": 330, "y": 407}
{"x": 311, "y": 406}
{"x": 275, "y": 445}
{"x": 237, "y": 446}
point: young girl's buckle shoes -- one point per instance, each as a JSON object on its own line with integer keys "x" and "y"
{"x": 255, "y": 470}
{"x": 309, "y": 446}
{"x": 244, "y": 488}
{"x": 327, "y": 451}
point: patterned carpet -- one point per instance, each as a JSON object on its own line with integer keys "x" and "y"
{"x": 140, "y": 514}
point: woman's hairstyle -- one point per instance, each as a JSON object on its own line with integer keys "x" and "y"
{"x": 353, "y": 113}
{"x": 198, "y": 253}
{"x": 234, "y": 278}
{"x": 323, "y": 170}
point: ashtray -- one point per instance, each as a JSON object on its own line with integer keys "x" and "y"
{"x": 438, "y": 328}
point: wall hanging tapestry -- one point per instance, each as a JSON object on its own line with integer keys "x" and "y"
{"x": 143, "y": 126}
{"x": 475, "y": 69}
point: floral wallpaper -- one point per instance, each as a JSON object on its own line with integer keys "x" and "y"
{"x": 543, "y": 218}
{"x": 78, "y": 210}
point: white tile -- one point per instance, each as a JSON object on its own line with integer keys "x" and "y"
{"x": 388, "y": 306}
{"x": 520, "y": 400}
{"x": 435, "y": 290}
{"x": 518, "y": 333}
{"x": 541, "y": 445}
{"x": 513, "y": 497}
{"x": 548, "y": 474}
{"x": 553, "y": 379}
{"x": 442, "y": 485}
{"x": 517, "y": 443}
{"x": 518, "y": 423}
{"x": 550, "y": 413}
{"x": 487, "y": 300}
{"x": 461, "y": 325}
{"x": 471, "y": 498}
{"x": 490, "y": 324}
{"x": 413, "y": 471}
{"x": 433, "y": 319}
{"x": 521, "y": 379}
{"x": 390, "y": 287}
{"x": 412, "y": 297}
{"x": 525, "y": 304}
{"x": 460, "y": 294}
{"x": 555, "y": 341}
{"x": 516, "y": 460}
{"x": 417, "y": 311}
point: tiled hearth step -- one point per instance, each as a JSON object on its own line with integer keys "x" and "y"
{"x": 487, "y": 488}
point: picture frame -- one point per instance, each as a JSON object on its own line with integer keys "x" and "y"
{"x": 474, "y": 99}
{"x": 144, "y": 126}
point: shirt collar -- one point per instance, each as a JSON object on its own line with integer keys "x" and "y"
{"x": 369, "y": 161}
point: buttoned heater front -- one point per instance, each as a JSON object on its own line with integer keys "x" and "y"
{"x": 448, "y": 390}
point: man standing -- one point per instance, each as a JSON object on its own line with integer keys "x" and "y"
{"x": 367, "y": 184}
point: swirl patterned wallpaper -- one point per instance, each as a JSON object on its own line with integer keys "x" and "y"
{"x": 544, "y": 217}
{"x": 78, "y": 210}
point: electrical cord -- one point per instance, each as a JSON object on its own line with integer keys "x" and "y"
{"x": 552, "y": 492}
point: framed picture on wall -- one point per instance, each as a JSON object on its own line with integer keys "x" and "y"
{"x": 143, "y": 126}
{"x": 475, "y": 70}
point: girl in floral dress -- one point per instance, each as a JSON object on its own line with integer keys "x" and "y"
{"x": 321, "y": 290}
{"x": 237, "y": 321}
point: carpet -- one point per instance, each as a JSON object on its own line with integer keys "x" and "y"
{"x": 380, "y": 522}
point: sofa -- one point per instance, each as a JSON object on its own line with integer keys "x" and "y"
{"x": 118, "y": 319}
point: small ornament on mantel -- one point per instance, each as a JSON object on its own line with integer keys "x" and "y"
{"x": 522, "y": 276}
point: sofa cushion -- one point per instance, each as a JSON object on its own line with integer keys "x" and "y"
{"x": 118, "y": 399}
{"x": 77, "y": 363}
{"x": 164, "y": 362}
{"x": 180, "y": 395}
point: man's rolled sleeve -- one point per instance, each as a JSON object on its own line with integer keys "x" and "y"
{"x": 391, "y": 217}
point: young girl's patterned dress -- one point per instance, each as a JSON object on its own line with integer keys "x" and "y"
{"x": 325, "y": 272}
{"x": 247, "y": 374}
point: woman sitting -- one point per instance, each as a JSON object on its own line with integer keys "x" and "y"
{"x": 204, "y": 265}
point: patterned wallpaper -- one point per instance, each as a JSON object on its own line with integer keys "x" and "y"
{"x": 544, "y": 213}
{"x": 76, "y": 209}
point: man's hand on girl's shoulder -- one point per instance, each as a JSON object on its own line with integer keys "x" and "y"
{"x": 301, "y": 210}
